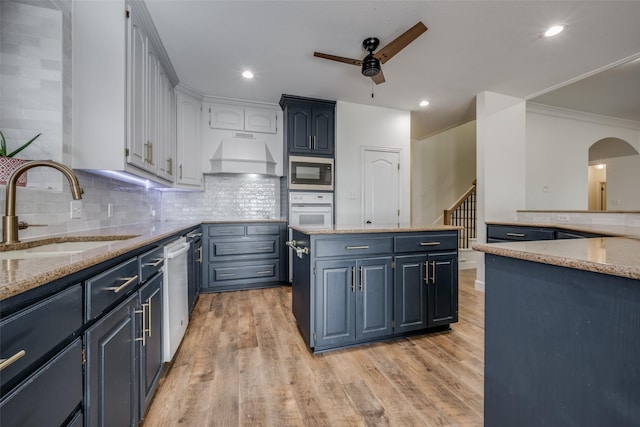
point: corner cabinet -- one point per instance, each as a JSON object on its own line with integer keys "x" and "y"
{"x": 351, "y": 289}
{"x": 189, "y": 165}
{"x": 309, "y": 125}
{"x": 124, "y": 107}
{"x": 242, "y": 255}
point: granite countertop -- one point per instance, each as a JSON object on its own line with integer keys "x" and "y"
{"x": 20, "y": 275}
{"x": 615, "y": 256}
{"x": 357, "y": 229}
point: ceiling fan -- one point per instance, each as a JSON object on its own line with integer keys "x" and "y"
{"x": 371, "y": 63}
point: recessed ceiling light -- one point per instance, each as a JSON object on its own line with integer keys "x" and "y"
{"x": 247, "y": 74}
{"x": 553, "y": 31}
{"x": 424, "y": 103}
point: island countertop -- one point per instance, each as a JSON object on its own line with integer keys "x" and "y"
{"x": 616, "y": 256}
{"x": 358, "y": 229}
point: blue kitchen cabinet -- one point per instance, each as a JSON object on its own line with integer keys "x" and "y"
{"x": 194, "y": 261}
{"x": 309, "y": 126}
{"x": 358, "y": 287}
{"x": 497, "y": 233}
{"x": 355, "y": 301}
{"x": 243, "y": 255}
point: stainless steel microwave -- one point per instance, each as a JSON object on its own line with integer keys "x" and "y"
{"x": 310, "y": 173}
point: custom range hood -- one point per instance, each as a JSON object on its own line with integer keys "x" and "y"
{"x": 243, "y": 153}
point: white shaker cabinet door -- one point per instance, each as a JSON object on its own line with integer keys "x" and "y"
{"x": 189, "y": 114}
{"x": 136, "y": 94}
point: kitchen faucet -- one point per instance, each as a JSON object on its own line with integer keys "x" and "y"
{"x": 10, "y": 219}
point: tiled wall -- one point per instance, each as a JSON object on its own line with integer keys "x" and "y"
{"x": 226, "y": 197}
{"x": 130, "y": 204}
{"x": 35, "y": 82}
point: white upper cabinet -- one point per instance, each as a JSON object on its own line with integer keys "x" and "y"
{"x": 189, "y": 130}
{"x": 124, "y": 101}
{"x": 232, "y": 117}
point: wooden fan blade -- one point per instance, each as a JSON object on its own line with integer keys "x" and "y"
{"x": 378, "y": 78}
{"x": 357, "y": 62}
{"x": 387, "y": 52}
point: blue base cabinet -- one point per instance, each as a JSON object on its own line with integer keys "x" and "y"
{"x": 243, "y": 255}
{"x": 357, "y": 288}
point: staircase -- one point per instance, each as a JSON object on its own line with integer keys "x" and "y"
{"x": 463, "y": 213}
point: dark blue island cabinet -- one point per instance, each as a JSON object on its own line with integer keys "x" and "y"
{"x": 359, "y": 287}
{"x": 562, "y": 346}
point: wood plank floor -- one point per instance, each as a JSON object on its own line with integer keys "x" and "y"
{"x": 243, "y": 362}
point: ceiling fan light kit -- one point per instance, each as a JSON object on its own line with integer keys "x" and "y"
{"x": 371, "y": 64}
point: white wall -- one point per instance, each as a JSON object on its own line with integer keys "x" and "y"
{"x": 368, "y": 126}
{"x": 443, "y": 168}
{"x": 623, "y": 176}
{"x": 500, "y": 153}
{"x": 558, "y": 155}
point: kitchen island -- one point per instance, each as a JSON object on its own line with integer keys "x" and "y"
{"x": 562, "y": 331}
{"x": 354, "y": 285}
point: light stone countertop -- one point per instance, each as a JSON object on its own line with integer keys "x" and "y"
{"x": 20, "y": 275}
{"x": 616, "y": 256}
{"x": 358, "y": 229}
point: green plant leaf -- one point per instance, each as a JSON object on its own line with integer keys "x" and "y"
{"x": 16, "y": 151}
{"x": 3, "y": 145}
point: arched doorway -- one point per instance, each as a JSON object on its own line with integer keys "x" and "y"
{"x": 613, "y": 170}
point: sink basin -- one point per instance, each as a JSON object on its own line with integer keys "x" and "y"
{"x": 60, "y": 248}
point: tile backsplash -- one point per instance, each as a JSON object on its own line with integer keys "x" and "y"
{"x": 225, "y": 197}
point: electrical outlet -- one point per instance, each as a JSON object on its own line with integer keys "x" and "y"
{"x": 76, "y": 209}
{"x": 562, "y": 218}
{"x": 109, "y": 210}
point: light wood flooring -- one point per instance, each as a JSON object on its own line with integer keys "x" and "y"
{"x": 243, "y": 362}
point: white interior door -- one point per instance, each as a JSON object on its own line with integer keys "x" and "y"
{"x": 381, "y": 186}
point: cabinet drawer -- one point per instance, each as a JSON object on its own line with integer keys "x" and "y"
{"x": 244, "y": 248}
{"x": 244, "y": 270}
{"x": 519, "y": 233}
{"x": 150, "y": 263}
{"x": 38, "y": 329}
{"x": 263, "y": 229}
{"x": 110, "y": 286}
{"x": 426, "y": 242}
{"x": 226, "y": 230}
{"x": 353, "y": 246}
{"x": 50, "y": 395}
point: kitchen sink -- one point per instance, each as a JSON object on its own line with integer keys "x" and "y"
{"x": 61, "y": 247}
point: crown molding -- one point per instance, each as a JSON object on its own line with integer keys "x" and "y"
{"x": 567, "y": 113}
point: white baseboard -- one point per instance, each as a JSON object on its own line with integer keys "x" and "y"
{"x": 479, "y": 285}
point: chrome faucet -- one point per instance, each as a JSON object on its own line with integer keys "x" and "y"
{"x": 10, "y": 220}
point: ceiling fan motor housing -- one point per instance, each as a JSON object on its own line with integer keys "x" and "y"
{"x": 370, "y": 66}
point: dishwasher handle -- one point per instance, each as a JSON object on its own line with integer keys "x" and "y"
{"x": 178, "y": 250}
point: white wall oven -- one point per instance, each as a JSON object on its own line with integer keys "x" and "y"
{"x": 310, "y": 173}
{"x": 311, "y": 210}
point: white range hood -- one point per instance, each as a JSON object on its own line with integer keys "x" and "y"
{"x": 243, "y": 152}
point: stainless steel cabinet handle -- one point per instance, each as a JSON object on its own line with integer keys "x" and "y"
{"x": 516, "y": 234}
{"x": 310, "y": 142}
{"x": 5, "y": 363}
{"x": 170, "y": 166}
{"x": 151, "y": 153}
{"x": 149, "y": 324}
{"x": 315, "y": 143}
{"x": 144, "y": 324}
{"x": 226, "y": 274}
{"x": 353, "y": 279}
{"x": 429, "y": 243}
{"x": 357, "y": 247}
{"x": 200, "y": 254}
{"x": 426, "y": 276}
{"x": 360, "y": 278}
{"x": 262, "y": 248}
{"x": 226, "y": 250}
{"x": 433, "y": 272}
{"x": 157, "y": 262}
{"x": 129, "y": 280}
{"x": 263, "y": 272}
{"x": 180, "y": 170}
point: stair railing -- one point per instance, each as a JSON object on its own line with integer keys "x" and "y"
{"x": 463, "y": 213}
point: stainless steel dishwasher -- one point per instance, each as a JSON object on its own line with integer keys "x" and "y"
{"x": 175, "y": 308}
